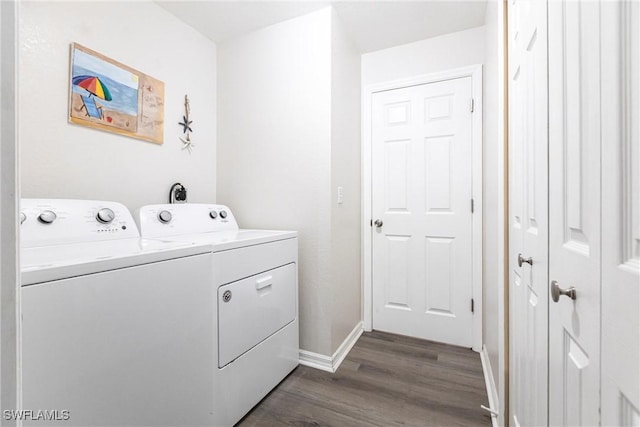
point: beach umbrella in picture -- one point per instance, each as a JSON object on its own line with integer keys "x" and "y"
{"x": 94, "y": 86}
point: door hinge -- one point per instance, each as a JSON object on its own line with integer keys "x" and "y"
{"x": 473, "y": 102}
{"x": 472, "y": 206}
{"x": 472, "y": 305}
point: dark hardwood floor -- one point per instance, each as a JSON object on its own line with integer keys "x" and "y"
{"x": 386, "y": 380}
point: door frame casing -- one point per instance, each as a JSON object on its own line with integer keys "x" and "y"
{"x": 10, "y": 334}
{"x": 475, "y": 72}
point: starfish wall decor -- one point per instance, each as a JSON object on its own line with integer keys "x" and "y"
{"x": 186, "y": 127}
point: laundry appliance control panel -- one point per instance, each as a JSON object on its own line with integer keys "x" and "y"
{"x": 185, "y": 218}
{"x": 64, "y": 221}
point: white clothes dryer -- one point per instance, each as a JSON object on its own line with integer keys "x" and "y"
{"x": 255, "y": 280}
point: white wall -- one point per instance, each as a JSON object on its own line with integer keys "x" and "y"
{"x": 274, "y": 157}
{"x": 289, "y": 135}
{"x": 346, "y": 299}
{"x": 425, "y": 56}
{"x": 59, "y": 159}
{"x": 494, "y": 177}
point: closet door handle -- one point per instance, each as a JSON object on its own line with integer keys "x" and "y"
{"x": 557, "y": 291}
{"x": 522, "y": 260}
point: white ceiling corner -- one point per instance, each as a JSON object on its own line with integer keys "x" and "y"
{"x": 371, "y": 25}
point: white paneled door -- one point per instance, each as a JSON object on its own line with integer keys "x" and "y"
{"x": 593, "y": 181}
{"x": 574, "y": 213}
{"x": 528, "y": 212}
{"x": 620, "y": 213}
{"x": 421, "y": 203}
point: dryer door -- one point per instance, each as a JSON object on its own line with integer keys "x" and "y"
{"x": 252, "y": 309}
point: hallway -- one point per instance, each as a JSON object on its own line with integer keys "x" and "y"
{"x": 386, "y": 380}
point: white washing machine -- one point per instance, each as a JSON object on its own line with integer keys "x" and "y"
{"x": 255, "y": 279}
{"x": 116, "y": 330}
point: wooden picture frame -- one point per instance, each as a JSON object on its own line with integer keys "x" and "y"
{"x": 107, "y": 95}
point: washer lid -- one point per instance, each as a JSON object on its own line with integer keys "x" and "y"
{"x": 232, "y": 239}
{"x": 54, "y": 262}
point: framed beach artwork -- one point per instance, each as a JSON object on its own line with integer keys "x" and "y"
{"x": 107, "y": 95}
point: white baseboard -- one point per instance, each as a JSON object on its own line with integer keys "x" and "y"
{"x": 346, "y": 346}
{"x": 492, "y": 391}
{"x": 316, "y": 360}
{"x": 331, "y": 363}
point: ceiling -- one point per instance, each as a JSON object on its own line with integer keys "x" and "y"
{"x": 371, "y": 25}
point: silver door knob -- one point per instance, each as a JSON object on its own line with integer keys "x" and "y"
{"x": 556, "y": 291}
{"x": 522, "y": 260}
{"x": 378, "y": 223}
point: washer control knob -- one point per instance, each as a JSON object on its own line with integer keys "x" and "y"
{"x": 105, "y": 216}
{"x": 223, "y": 214}
{"x": 23, "y": 217}
{"x": 213, "y": 214}
{"x": 165, "y": 217}
{"x": 47, "y": 217}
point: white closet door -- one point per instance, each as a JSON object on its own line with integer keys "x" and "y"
{"x": 528, "y": 211}
{"x": 620, "y": 213}
{"x": 574, "y": 212}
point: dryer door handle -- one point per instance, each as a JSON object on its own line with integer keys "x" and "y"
{"x": 264, "y": 282}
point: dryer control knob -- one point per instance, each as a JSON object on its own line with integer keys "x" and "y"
{"x": 23, "y": 217}
{"x": 223, "y": 214}
{"x": 213, "y": 214}
{"x": 105, "y": 216}
{"x": 165, "y": 217}
{"x": 47, "y": 217}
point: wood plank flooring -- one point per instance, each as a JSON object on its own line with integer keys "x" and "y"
{"x": 386, "y": 380}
